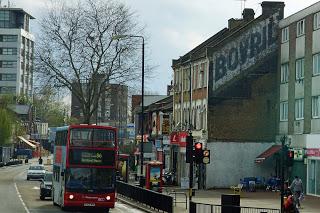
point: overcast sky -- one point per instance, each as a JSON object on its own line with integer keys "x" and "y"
{"x": 174, "y": 27}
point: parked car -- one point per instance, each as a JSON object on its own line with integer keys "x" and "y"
{"x": 36, "y": 172}
{"x": 46, "y": 186}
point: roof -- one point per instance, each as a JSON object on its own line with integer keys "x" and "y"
{"x": 300, "y": 15}
{"x": 27, "y": 142}
{"x": 150, "y": 99}
{"x": 267, "y": 153}
{"x": 17, "y": 9}
{"x": 20, "y": 109}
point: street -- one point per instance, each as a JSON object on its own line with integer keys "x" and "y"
{"x": 19, "y": 195}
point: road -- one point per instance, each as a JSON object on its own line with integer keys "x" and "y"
{"x": 17, "y": 195}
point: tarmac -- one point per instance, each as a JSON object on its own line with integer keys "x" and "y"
{"x": 258, "y": 199}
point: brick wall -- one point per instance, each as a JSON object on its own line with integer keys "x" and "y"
{"x": 252, "y": 119}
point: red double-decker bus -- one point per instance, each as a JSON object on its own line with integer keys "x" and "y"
{"x": 84, "y": 166}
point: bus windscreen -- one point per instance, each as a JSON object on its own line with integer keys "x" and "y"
{"x": 91, "y": 137}
{"x": 89, "y": 179}
{"x": 92, "y": 157}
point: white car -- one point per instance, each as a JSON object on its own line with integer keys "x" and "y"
{"x": 36, "y": 172}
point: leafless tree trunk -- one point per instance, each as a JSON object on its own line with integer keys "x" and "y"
{"x": 77, "y": 49}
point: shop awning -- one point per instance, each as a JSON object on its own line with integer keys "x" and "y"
{"x": 268, "y": 153}
{"x": 27, "y": 142}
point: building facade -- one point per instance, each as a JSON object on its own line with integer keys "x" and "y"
{"x": 112, "y": 108}
{"x": 299, "y": 96}
{"x": 233, "y": 97}
{"x": 16, "y": 52}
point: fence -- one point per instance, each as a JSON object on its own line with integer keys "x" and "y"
{"x": 210, "y": 208}
{"x": 150, "y": 198}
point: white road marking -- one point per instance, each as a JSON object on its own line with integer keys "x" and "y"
{"x": 36, "y": 187}
{"x": 20, "y": 197}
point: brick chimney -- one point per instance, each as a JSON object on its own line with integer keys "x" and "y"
{"x": 248, "y": 14}
{"x": 270, "y": 7}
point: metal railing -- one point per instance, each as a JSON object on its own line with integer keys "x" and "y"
{"x": 210, "y": 208}
{"x": 150, "y": 198}
{"x": 175, "y": 193}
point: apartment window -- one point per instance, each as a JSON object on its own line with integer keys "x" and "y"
{"x": 8, "y": 64}
{"x": 8, "y": 77}
{"x": 285, "y": 35}
{"x": 6, "y": 90}
{"x": 300, "y": 69}
{"x": 316, "y": 21}
{"x": 284, "y": 73}
{"x": 204, "y": 70}
{"x": 195, "y": 77}
{"x": 8, "y": 51}
{"x": 315, "y": 106}
{"x": 200, "y": 79}
{"x": 299, "y": 109}
{"x": 316, "y": 64}
{"x": 8, "y": 38}
{"x": 284, "y": 111}
{"x": 300, "y": 28}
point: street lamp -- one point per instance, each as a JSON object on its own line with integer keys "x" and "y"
{"x": 117, "y": 37}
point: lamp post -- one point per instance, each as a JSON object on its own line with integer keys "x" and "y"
{"x": 142, "y": 100}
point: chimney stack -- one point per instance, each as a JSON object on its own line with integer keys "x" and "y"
{"x": 270, "y": 7}
{"x": 248, "y": 14}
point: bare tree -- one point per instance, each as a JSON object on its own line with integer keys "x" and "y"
{"x": 77, "y": 50}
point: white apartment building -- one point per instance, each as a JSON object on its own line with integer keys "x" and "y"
{"x": 299, "y": 97}
{"x": 16, "y": 52}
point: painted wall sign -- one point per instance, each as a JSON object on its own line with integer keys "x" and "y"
{"x": 245, "y": 50}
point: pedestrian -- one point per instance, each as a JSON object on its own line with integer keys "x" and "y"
{"x": 297, "y": 189}
{"x": 40, "y": 160}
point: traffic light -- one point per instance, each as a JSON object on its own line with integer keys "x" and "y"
{"x": 206, "y": 156}
{"x": 290, "y": 158}
{"x": 189, "y": 148}
{"x": 198, "y": 152}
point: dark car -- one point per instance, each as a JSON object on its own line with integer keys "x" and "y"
{"x": 46, "y": 186}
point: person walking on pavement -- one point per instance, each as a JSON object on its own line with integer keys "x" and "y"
{"x": 297, "y": 188}
{"x": 40, "y": 160}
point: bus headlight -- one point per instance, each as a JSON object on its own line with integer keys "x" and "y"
{"x": 71, "y": 197}
{"x": 108, "y": 197}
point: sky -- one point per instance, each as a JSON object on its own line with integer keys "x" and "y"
{"x": 174, "y": 27}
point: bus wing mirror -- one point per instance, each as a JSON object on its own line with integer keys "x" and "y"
{"x": 62, "y": 173}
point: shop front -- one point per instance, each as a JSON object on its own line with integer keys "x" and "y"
{"x": 178, "y": 156}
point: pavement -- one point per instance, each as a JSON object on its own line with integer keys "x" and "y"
{"x": 258, "y": 199}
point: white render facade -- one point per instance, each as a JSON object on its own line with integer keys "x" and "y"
{"x": 299, "y": 93}
{"x": 16, "y": 53}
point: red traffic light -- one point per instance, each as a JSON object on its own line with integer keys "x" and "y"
{"x": 291, "y": 154}
{"x": 198, "y": 146}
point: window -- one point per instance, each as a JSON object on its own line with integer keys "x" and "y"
{"x": 8, "y": 77}
{"x": 6, "y": 90}
{"x": 8, "y": 64}
{"x": 8, "y": 51}
{"x": 315, "y": 106}
{"x": 316, "y": 21}
{"x": 4, "y": 16}
{"x": 284, "y": 111}
{"x": 300, "y": 69}
{"x": 204, "y": 69}
{"x": 316, "y": 64}
{"x": 300, "y": 28}
{"x": 8, "y": 38}
{"x": 285, "y": 35}
{"x": 284, "y": 72}
{"x": 299, "y": 109}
